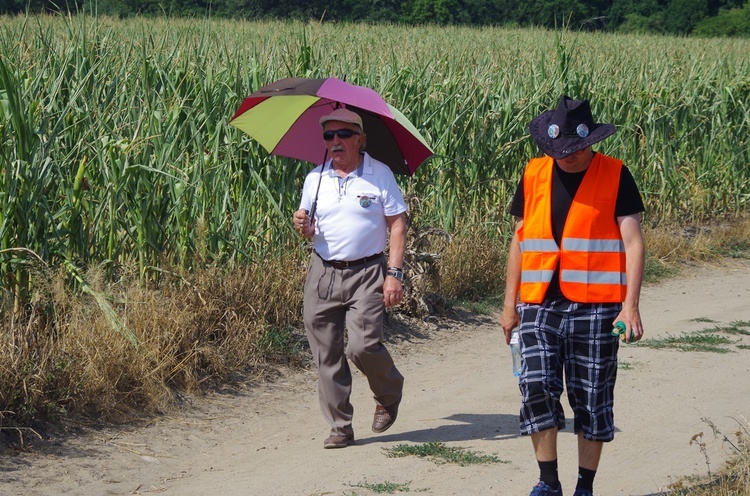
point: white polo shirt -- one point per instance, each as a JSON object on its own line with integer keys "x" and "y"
{"x": 350, "y": 218}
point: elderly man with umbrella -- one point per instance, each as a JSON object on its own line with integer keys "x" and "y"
{"x": 353, "y": 209}
{"x": 349, "y": 282}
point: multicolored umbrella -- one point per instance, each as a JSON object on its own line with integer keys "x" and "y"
{"x": 284, "y": 118}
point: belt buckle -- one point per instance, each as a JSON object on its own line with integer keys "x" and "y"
{"x": 345, "y": 263}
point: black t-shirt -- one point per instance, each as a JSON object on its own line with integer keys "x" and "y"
{"x": 564, "y": 188}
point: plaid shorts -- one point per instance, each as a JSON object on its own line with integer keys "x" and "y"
{"x": 560, "y": 336}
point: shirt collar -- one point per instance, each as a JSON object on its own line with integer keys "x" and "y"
{"x": 364, "y": 167}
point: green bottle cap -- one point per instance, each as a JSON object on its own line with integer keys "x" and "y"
{"x": 619, "y": 330}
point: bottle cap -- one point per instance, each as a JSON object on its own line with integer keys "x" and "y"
{"x": 619, "y": 330}
{"x": 514, "y": 336}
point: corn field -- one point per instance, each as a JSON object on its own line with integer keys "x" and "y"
{"x": 115, "y": 146}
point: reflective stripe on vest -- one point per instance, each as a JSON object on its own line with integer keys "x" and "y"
{"x": 592, "y": 257}
{"x": 593, "y": 245}
{"x": 592, "y": 277}
{"x": 537, "y": 276}
{"x": 547, "y": 245}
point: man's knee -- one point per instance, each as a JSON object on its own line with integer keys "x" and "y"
{"x": 359, "y": 351}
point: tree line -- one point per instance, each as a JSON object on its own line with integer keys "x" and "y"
{"x": 675, "y": 17}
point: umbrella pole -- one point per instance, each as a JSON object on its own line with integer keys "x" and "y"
{"x": 320, "y": 178}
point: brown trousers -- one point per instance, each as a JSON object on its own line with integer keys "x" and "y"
{"x": 351, "y": 299}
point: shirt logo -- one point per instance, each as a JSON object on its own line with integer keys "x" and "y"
{"x": 365, "y": 201}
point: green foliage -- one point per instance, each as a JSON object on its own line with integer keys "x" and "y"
{"x": 441, "y": 453}
{"x": 707, "y": 342}
{"x": 737, "y": 249}
{"x": 483, "y": 306}
{"x": 638, "y": 24}
{"x": 709, "y": 18}
{"x": 385, "y": 487}
{"x": 39, "y": 6}
{"x": 683, "y": 15}
{"x": 656, "y": 270}
{"x": 622, "y": 9}
{"x": 572, "y": 13}
{"x": 731, "y": 22}
{"x": 741, "y": 327}
{"x": 433, "y": 11}
{"x": 115, "y": 155}
{"x": 277, "y": 345}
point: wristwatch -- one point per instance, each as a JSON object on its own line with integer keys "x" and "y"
{"x": 396, "y": 272}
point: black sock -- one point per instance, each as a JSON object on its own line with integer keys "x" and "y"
{"x": 585, "y": 479}
{"x": 548, "y": 473}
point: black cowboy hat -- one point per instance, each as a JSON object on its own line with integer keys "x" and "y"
{"x": 568, "y": 128}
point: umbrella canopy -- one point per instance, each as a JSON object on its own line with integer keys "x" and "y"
{"x": 284, "y": 118}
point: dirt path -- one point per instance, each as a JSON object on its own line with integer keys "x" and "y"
{"x": 460, "y": 391}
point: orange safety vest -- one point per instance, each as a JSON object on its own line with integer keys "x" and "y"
{"x": 592, "y": 258}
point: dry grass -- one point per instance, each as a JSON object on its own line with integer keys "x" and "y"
{"x": 208, "y": 328}
{"x": 733, "y": 479}
{"x": 674, "y": 244}
{"x": 473, "y": 266}
{"x": 69, "y": 360}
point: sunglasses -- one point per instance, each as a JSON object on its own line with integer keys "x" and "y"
{"x": 342, "y": 133}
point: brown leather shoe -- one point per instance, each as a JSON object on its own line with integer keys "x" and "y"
{"x": 338, "y": 441}
{"x": 384, "y": 418}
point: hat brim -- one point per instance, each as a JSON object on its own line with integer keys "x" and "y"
{"x": 562, "y": 146}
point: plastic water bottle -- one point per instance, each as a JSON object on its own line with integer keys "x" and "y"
{"x": 515, "y": 350}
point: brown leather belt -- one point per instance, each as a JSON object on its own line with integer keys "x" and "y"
{"x": 347, "y": 264}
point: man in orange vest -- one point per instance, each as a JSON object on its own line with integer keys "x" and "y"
{"x": 576, "y": 264}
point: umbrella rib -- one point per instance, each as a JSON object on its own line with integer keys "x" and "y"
{"x": 324, "y": 101}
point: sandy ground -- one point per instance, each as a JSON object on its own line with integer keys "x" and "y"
{"x": 459, "y": 390}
